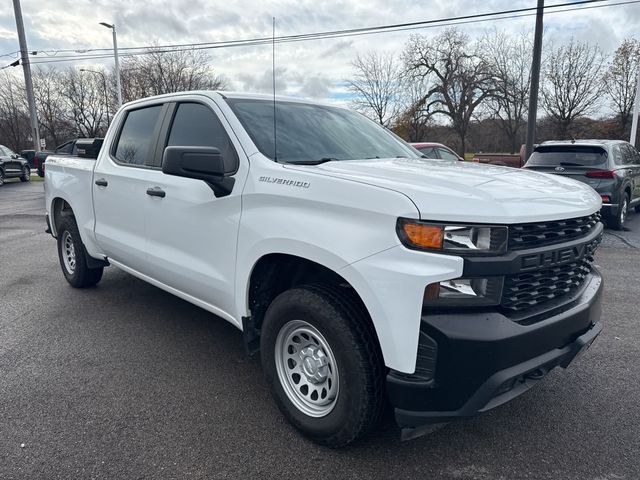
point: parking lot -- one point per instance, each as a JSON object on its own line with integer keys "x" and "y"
{"x": 127, "y": 381}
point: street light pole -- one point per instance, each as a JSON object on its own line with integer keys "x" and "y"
{"x": 24, "y": 59}
{"x": 104, "y": 85}
{"x": 115, "y": 57}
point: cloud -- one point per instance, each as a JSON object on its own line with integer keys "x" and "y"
{"x": 311, "y": 68}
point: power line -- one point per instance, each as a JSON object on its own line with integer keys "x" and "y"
{"x": 451, "y": 21}
{"x": 333, "y": 33}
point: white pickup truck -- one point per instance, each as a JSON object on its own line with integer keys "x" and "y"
{"x": 362, "y": 273}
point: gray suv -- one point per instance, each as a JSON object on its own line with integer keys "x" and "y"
{"x": 610, "y": 167}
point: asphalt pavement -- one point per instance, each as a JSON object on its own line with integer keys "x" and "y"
{"x": 126, "y": 381}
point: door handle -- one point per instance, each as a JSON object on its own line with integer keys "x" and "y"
{"x": 101, "y": 182}
{"x": 156, "y": 192}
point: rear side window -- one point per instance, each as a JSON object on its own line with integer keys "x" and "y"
{"x": 429, "y": 152}
{"x": 568, "y": 156}
{"x": 65, "y": 149}
{"x": 195, "y": 125}
{"x": 136, "y": 135}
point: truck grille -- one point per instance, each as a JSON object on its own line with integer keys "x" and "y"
{"x": 540, "y": 234}
{"x": 527, "y": 290}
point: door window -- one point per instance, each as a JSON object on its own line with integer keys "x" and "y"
{"x": 136, "y": 136}
{"x": 446, "y": 154}
{"x": 65, "y": 149}
{"x": 634, "y": 155}
{"x": 195, "y": 125}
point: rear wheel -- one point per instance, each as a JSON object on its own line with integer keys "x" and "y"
{"x": 617, "y": 222}
{"x": 323, "y": 364}
{"x": 1, "y": 178}
{"x": 73, "y": 257}
{"x": 26, "y": 174}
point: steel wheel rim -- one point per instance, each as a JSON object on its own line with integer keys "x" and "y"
{"x": 68, "y": 252}
{"x": 307, "y": 368}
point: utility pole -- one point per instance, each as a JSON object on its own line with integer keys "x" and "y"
{"x": 116, "y": 61}
{"x": 636, "y": 110}
{"x": 24, "y": 58}
{"x": 535, "y": 81}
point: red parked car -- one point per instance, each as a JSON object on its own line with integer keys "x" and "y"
{"x": 436, "y": 150}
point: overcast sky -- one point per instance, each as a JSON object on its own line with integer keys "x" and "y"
{"x": 314, "y": 69}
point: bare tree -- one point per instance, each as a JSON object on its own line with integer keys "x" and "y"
{"x": 461, "y": 77}
{"x": 620, "y": 80}
{"x": 376, "y": 85}
{"x": 413, "y": 120}
{"x": 573, "y": 83}
{"x": 161, "y": 71}
{"x": 51, "y": 105}
{"x": 509, "y": 60}
{"x": 84, "y": 102}
{"x": 15, "y": 128}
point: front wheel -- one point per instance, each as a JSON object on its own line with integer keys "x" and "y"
{"x": 26, "y": 174}
{"x": 323, "y": 364}
{"x": 73, "y": 257}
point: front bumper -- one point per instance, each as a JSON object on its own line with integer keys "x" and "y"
{"x": 484, "y": 359}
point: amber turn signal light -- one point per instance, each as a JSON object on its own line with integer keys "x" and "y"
{"x": 424, "y": 236}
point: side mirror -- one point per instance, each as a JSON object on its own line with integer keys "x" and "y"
{"x": 200, "y": 163}
{"x": 15, "y": 156}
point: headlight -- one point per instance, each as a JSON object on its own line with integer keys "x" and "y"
{"x": 464, "y": 292}
{"x": 451, "y": 238}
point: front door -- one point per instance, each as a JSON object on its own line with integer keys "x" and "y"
{"x": 191, "y": 233}
{"x": 12, "y": 166}
{"x": 119, "y": 188}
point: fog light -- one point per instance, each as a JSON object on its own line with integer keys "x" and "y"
{"x": 476, "y": 292}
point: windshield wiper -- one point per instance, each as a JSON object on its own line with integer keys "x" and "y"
{"x": 312, "y": 162}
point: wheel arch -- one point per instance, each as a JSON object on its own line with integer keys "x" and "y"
{"x": 60, "y": 208}
{"x": 275, "y": 272}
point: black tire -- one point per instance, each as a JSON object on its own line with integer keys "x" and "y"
{"x": 637, "y": 208}
{"x": 617, "y": 222}
{"x": 1, "y": 177}
{"x": 77, "y": 273}
{"x": 341, "y": 319}
{"x": 26, "y": 174}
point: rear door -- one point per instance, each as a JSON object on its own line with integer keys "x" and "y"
{"x": 119, "y": 187}
{"x": 634, "y": 172}
{"x": 191, "y": 233}
{"x": 574, "y": 161}
{"x": 13, "y": 166}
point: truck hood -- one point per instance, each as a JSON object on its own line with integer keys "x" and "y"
{"x": 470, "y": 192}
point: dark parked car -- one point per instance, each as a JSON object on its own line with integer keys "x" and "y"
{"x": 90, "y": 146}
{"x": 13, "y": 165}
{"x": 436, "y": 150}
{"x": 29, "y": 156}
{"x": 611, "y": 167}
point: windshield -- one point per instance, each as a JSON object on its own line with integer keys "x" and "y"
{"x": 314, "y": 133}
{"x": 573, "y": 156}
